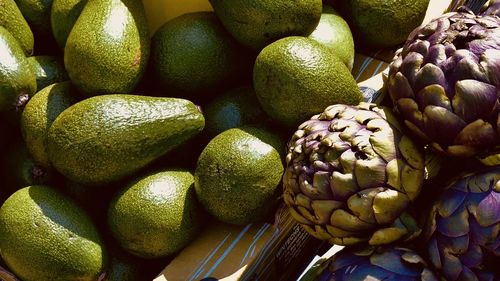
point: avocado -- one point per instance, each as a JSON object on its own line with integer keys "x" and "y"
{"x": 383, "y": 23}
{"x": 40, "y": 112}
{"x": 37, "y": 14}
{"x": 236, "y": 107}
{"x": 297, "y": 77}
{"x": 257, "y": 23}
{"x": 17, "y": 80}
{"x": 108, "y": 47}
{"x": 196, "y": 55}
{"x": 238, "y": 174}
{"x": 12, "y": 19}
{"x": 63, "y": 15}
{"x": 334, "y": 32}
{"x": 44, "y": 235}
{"x": 104, "y": 138}
{"x": 18, "y": 169}
{"x": 156, "y": 215}
{"x": 48, "y": 70}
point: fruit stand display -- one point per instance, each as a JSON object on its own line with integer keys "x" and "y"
{"x": 249, "y": 140}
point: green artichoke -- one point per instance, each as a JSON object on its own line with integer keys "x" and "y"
{"x": 445, "y": 83}
{"x": 463, "y": 231}
{"x": 352, "y": 175}
{"x": 369, "y": 263}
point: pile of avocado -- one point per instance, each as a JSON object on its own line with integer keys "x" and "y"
{"x": 120, "y": 145}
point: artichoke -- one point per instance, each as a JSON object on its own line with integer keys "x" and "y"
{"x": 462, "y": 234}
{"x": 444, "y": 83}
{"x": 368, "y": 263}
{"x": 352, "y": 176}
{"x": 493, "y": 8}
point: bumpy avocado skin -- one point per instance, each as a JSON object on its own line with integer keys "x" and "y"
{"x": 12, "y": 19}
{"x": 257, "y": 23}
{"x": 108, "y": 47}
{"x": 17, "y": 80}
{"x": 105, "y": 138}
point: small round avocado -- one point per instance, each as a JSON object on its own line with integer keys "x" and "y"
{"x": 193, "y": 53}
{"x": 156, "y": 215}
{"x": 237, "y": 107}
{"x": 238, "y": 174}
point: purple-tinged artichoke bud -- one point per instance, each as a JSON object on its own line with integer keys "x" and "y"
{"x": 462, "y": 233}
{"x": 352, "y": 175}
{"x": 445, "y": 83}
{"x": 375, "y": 264}
{"x": 493, "y": 8}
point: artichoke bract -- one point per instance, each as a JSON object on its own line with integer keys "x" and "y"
{"x": 445, "y": 83}
{"x": 352, "y": 176}
{"x": 462, "y": 233}
{"x": 382, "y": 263}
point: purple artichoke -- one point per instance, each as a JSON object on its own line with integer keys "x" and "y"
{"x": 352, "y": 175}
{"x": 462, "y": 235}
{"x": 493, "y": 8}
{"x": 445, "y": 83}
{"x": 374, "y": 264}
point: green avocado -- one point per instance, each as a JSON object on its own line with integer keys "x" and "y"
{"x": 108, "y": 47}
{"x": 238, "y": 174}
{"x": 63, "y": 15}
{"x": 18, "y": 169}
{"x": 383, "y": 23}
{"x": 48, "y": 70}
{"x": 105, "y": 138}
{"x": 257, "y": 23}
{"x": 45, "y": 235}
{"x": 17, "y": 80}
{"x": 195, "y": 54}
{"x": 12, "y": 19}
{"x": 237, "y": 107}
{"x": 37, "y": 14}
{"x": 40, "y": 112}
{"x": 156, "y": 215}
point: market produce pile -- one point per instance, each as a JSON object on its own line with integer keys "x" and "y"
{"x": 120, "y": 144}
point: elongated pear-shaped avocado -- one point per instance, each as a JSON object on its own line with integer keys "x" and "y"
{"x": 17, "y": 79}
{"x": 105, "y": 138}
{"x": 12, "y": 19}
{"x": 108, "y": 47}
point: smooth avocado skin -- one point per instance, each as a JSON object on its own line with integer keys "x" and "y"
{"x": 12, "y": 19}
{"x": 63, "y": 15}
{"x": 17, "y": 80}
{"x": 45, "y": 236}
{"x": 48, "y": 70}
{"x": 105, "y": 138}
{"x": 156, "y": 215}
{"x": 39, "y": 114}
{"x": 257, "y": 23}
{"x": 238, "y": 173}
{"x": 108, "y": 47}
